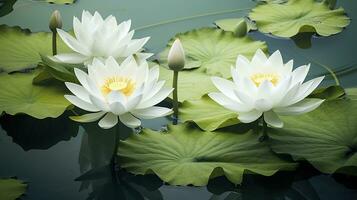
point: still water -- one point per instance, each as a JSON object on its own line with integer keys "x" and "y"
{"x": 51, "y": 154}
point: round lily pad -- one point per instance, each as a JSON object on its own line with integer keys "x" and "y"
{"x": 213, "y": 51}
{"x": 191, "y": 84}
{"x": 207, "y": 114}
{"x": 326, "y": 137}
{"x": 19, "y": 95}
{"x": 296, "y": 16}
{"x": 21, "y": 49}
{"x": 11, "y": 189}
{"x": 185, "y": 155}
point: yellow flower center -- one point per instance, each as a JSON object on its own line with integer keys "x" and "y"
{"x": 122, "y": 84}
{"x": 260, "y": 77}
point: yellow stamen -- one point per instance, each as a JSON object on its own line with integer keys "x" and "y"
{"x": 122, "y": 84}
{"x": 260, "y": 77}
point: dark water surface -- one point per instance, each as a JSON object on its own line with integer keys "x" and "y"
{"x": 50, "y": 154}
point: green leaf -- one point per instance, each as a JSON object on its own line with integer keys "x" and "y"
{"x": 352, "y": 93}
{"x": 19, "y": 95}
{"x": 185, "y": 155}
{"x": 213, "y": 51}
{"x": 231, "y": 24}
{"x": 326, "y": 137}
{"x": 6, "y": 7}
{"x": 191, "y": 84}
{"x": 11, "y": 189}
{"x": 207, "y": 114}
{"x": 21, "y": 49}
{"x": 295, "y": 16}
{"x": 61, "y": 71}
{"x": 328, "y": 93}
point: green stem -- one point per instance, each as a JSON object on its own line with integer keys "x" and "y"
{"x": 264, "y": 130}
{"x": 114, "y": 161}
{"x": 54, "y": 43}
{"x": 175, "y": 100}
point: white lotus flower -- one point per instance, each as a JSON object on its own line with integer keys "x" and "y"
{"x": 100, "y": 38}
{"x": 268, "y": 87}
{"x": 128, "y": 91}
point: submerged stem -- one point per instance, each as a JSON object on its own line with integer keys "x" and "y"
{"x": 114, "y": 160}
{"x": 175, "y": 100}
{"x": 54, "y": 43}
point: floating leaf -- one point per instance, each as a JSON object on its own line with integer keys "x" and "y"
{"x": 11, "y": 189}
{"x": 230, "y": 24}
{"x": 191, "y": 84}
{"x": 185, "y": 155}
{"x": 213, "y": 51}
{"x": 328, "y": 93}
{"x": 19, "y": 95}
{"x": 295, "y": 16}
{"x": 21, "y": 49}
{"x": 326, "y": 137}
{"x": 6, "y": 7}
{"x": 207, "y": 114}
{"x": 352, "y": 93}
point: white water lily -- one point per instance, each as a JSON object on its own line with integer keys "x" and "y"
{"x": 268, "y": 87}
{"x": 100, "y": 38}
{"x": 128, "y": 91}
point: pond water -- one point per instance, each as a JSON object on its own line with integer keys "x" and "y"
{"x": 50, "y": 154}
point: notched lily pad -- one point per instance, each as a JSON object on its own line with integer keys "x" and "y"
{"x": 19, "y": 95}
{"x": 191, "y": 84}
{"x": 207, "y": 114}
{"x": 213, "y": 51}
{"x": 296, "y": 16}
{"x": 21, "y": 49}
{"x": 231, "y": 24}
{"x": 11, "y": 189}
{"x": 326, "y": 137}
{"x": 185, "y": 155}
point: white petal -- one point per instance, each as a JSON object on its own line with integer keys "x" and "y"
{"x": 306, "y": 89}
{"x": 247, "y": 117}
{"x": 82, "y": 78}
{"x": 73, "y": 58}
{"x": 263, "y": 105}
{"x": 108, "y": 121}
{"x": 99, "y": 103}
{"x": 116, "y": 96}
{"x": 151, "y": 112}
{"x": 275, "y": 60}
{"x": 300, "y": 73}
{"x": 81, "y": 104}
{"x": 265, "y": 89}
{"x": 288, "y": 67}
{"x": 273, "y": 119}
{"x": 117, "y": 108}
{"x": 160, "y": 96}
{"x": 229, "y": 103}
{"x": 259, "y": 58}
{"x": 133, "y": 101}
{"x": 244, "y": 98}
{"x": 301, "y": 107}
{"x": 136, "y": 45}
{"x": 225, "y": 86}
{"x": 129, "y": 120}
{"x": 78, "y": 90}
{"x": 72, "y": 43}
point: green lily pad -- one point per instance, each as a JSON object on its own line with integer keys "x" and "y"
{"x": 185, "y": 155}
{"x": 6, "y": 7}
{"x": 207, "y": 114}
{"x": 191, "y": 84}
{"x": 326, "y": 137}
{"x": 11, "y": 189}
{"x": 19, "y": 95}
{"x": 296, "y": 16}
{"x": 328, "y": 93}
{"x": 352, "y": 93}
{"x": 213, "y": 51}
{"x": 21, "y": 49}
{"x": 230, "y": 24}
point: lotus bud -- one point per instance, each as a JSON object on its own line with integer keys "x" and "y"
{"x": 55, "y": 21}
{"x": 176, "y": 57}
{"x": 241, "y": 29}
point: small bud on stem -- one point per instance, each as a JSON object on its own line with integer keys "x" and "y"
{"x": 55, "y": 22}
